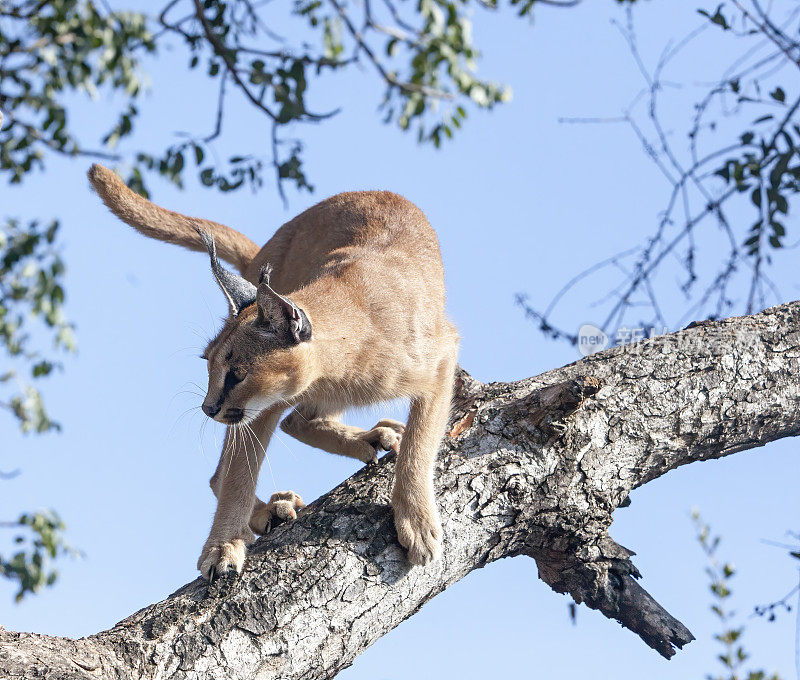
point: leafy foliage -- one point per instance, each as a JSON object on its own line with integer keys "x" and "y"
{"x": 50, "y": 49}
{"x": 767, "y": 148}
{"x": 39, "y": 542}
{"x": 31, "y": 290}
{"x": 425, "y": 57}
{"x": 720, "y": 574}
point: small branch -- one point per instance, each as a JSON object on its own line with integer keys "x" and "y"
{"x": 771, "y": 32}
{"x": 390, "y": 79}
{"x": 220, "y": 109}
{"x": 222, "y": 51}
{"x": 54, "y": 146}
{"x": 693, "y": 196}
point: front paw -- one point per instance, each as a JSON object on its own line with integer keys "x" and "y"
{"x": 282, "y": 505}
{"x": 385, "y": 436}
{"x": 220, "y": 556}
{"x": 419, "y": 531}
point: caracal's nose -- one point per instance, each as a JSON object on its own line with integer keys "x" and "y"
{"x": 211, "y": 409}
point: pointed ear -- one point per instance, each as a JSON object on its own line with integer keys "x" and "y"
{"x": 238, "y": 291}
{"x": 279, "y": 314}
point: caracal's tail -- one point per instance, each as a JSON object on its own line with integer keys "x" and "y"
{"x": 165, "y": 225}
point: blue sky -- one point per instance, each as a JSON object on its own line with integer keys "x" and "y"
{"x": 520, "y": 203}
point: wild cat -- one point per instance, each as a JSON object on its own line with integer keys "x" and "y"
{"x": 344, "y": 306}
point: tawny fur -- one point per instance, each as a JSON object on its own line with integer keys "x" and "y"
{"x": 365, "y": 268}
{"x": 166, "y": 225}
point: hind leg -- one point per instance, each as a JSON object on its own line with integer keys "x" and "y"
{"x": 416, "y": 516}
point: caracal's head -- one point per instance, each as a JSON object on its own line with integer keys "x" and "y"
{"x": 260, "y": 358}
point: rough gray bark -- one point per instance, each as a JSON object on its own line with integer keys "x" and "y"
{"x": 534, "y": 468}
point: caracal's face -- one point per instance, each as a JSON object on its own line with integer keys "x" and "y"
{"x": 249, "y": 371}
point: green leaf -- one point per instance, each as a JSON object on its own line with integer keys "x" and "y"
{"x": 207, "y": 177}
{"x": 778, "y": 94}
{"x": 42, "y": 368}
{"x": 716, "y": 18}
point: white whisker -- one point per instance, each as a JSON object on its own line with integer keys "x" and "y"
{"x": 191, "y": 409}
{"x": 200, "y": 440}
{"x": 286, "y": 446}
{"x": 266, "y": 457}
{"x": 247, "y": 455}
{"x": 227, "y": 445}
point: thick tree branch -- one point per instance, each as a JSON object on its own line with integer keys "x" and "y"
{"x": 534, "y": 467}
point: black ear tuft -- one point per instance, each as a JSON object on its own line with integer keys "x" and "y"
{"x": 239, "y": 292}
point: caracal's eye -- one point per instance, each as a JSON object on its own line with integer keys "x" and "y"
{"x": 232, "y": 378}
